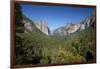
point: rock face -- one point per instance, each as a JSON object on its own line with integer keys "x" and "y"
{"x": 71, "y": 28}
{"x": 42, "y": 26}
{"x": 88, "y": 21}
{"x": 31, "y": 26}
{"x": 28, "y": 25}
{"x": 67, "y": 29}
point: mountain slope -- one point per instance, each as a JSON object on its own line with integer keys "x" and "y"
{"x": 72, "y": 28}
{"x": 37, "y": 48}
{"x": 34, "y": 26}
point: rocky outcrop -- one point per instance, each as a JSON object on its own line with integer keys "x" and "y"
{"x": 73, "y": 27}
{"x": 42, "y": 26}
{"x": 87, "y": 22}
{"x": 33, "y": 26}
{"x": 67, "y": 29}
{"x": 28, "y": 25}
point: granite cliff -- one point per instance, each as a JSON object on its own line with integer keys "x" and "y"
{"x": 69, "y": 28}
{"x": 74, "y": 27}
{"x": 33, "y": 26}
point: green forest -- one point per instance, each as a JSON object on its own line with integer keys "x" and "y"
{"x": 38, "y": 48}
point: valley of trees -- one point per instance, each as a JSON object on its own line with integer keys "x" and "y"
{"x": 38, "y": 48}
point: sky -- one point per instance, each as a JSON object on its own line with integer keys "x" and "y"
{"x": 56, "y": 16}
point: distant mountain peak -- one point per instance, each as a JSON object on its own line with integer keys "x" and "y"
{"x": 67, "y": 29}
{"x": 73, "y": 27}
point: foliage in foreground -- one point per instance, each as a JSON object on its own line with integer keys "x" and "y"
{"x": 37, "y": 48}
